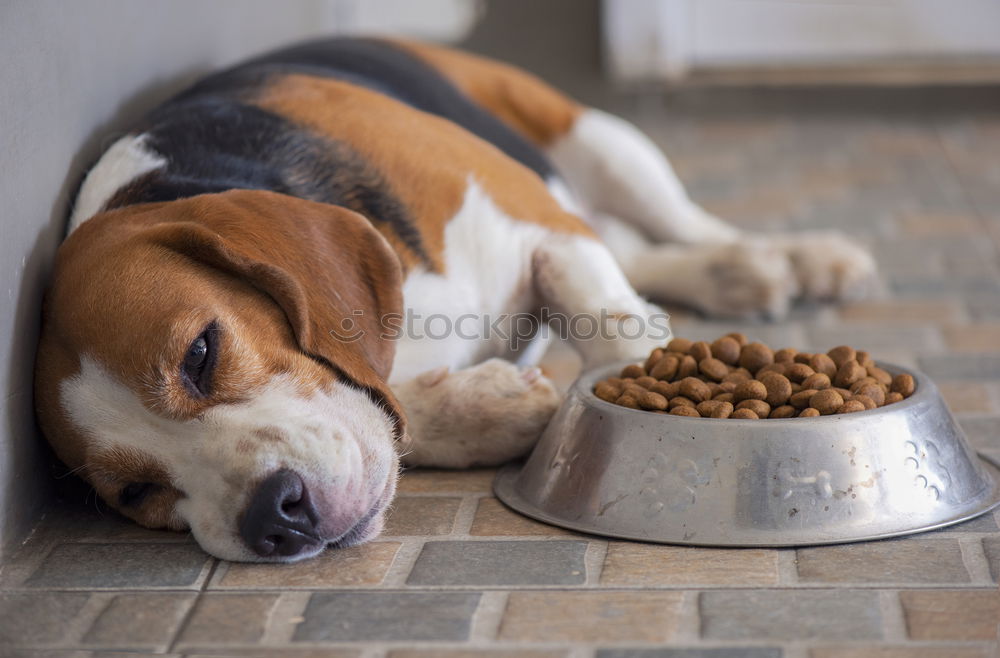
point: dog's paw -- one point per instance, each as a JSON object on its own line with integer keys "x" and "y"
{"x": 830, "y": 267}
{"x": 746, "y": 279}
{"x": 480, "y": 416}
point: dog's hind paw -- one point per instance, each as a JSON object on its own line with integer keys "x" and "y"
{"x": 830, "y": 267}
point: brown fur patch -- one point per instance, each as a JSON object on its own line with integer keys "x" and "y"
{"x": 521, "y": 100}
{"x": 426, "y": 159}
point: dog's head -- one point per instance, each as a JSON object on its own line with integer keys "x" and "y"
{"x": 217, "y": 363}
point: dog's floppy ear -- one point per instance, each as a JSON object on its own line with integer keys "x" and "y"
{"x": 334, "y": 276}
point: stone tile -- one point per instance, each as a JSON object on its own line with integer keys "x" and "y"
{"x": 650, "y": 565}
{"x": 714, "y": 652}
{"x": 140, "y": 621}
{"x": 33, "y": 618}
{"x": 889, "y": 561}
{"x": 387, "y": 617}
{"x": 962, "y": 366}
{"x": 420, "y": 516}
{"x": 899, "y": 312}
{"x": 58, "y": 653}
{"x": 493, "y": 518}
{"x": 984, "y": 307}
{"x": 345, "y": 567}
{"x": 439, "y": 481}
{"x": 901, "y": 651}
{"x": 874, "y": 338}
{"x": 991, "y": 547}
{"x": 273, "y": 652}
{"x": 983, "y": 432}
{"x": 488, "y": 563}
{"x": 595, "y": 617}
{"x": 477, "y": 653}
{"x": 963, "y": 615}
{"x": 952, "y": 284}
{"x": 226, "y": 619}
{"x": 919, "y": 224}
{"x": 75, "y": 522}
{"x": 973, "y": 396}
{"x": 974, "y": 338}
{"x": 111, "y": 566}
{"x": 790, "y": 615}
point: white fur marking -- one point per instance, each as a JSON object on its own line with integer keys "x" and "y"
{"x": 126, "y": 160}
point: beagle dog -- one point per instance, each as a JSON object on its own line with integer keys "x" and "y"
{"x": 226, "y": 343}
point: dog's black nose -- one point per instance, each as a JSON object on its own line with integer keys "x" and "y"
{"x": 280, "y": 519}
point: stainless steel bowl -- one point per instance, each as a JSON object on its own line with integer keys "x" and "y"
{"x": 608, "y": 470}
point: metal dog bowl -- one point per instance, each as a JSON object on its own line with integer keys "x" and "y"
{"x": 608, "y": 470}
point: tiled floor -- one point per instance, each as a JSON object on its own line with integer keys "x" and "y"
{"x": 456, "y": 574}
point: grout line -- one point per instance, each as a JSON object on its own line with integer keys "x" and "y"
{"x": 402, "y": 563}
{"x": 893, "y": 619}
{"x": 593, "y": 561}
{"x": 788, "y": 572}
{"x": 488, "y": 616}
{"x": 285, "y": 616}
{"x": 189, "y": 613}
{"x": 87, "y": 616}
{"x": 465, "y": 515}
{"x": 974, "y": 557}
{"x": 688, "y": 619}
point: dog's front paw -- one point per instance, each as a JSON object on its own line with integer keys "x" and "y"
{"x": 829, "y": 267}
{"x": 480, "y": 416}
{"x": 745, "y": 279}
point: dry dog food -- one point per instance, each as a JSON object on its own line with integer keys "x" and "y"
{"x": 734, "y": 378}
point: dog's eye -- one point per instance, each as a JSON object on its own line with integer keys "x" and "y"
{"x": 133, "y": 493}
{"x": 196, "y": 369}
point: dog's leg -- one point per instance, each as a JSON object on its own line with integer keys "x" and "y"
{"x": 480, "y": 416}
{"x": 590, "y": 302}
{"x": 638, "y": 204}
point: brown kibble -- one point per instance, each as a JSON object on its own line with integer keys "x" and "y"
{"x": 802, "y": 357}
{"x": 808, "y": 412}
{"x": 785, "y": 355}
{"x": 633, "y": 370}
{"x": 687, "y": 368}
{"x": 873, "y": 391}
{"x": 798, "y": 372}
{"x": 779, "y": 389}
{"x": 724, "y": 397}
{"x": 801, "y": 399}
{"x": 779, "y": 368}
{"x": 759, "y": 407}
{"x": 866, "y": 401}
{"x": 653, "y": 358}
{"x": 727, "y": 350}
{"x": 652, "y": 401}
{"x": 848, "y": 373}
{"x": 817, "y": 380}
{"x": 796, "y": 388}
{"x": 727, "y": 387}
{"x": 903, "y": 384}
{"x": 666, "y": 389}
{"x": 824, "y": 364}
{"x": 827, "y": 402}
{"x": 738, "y": 337}
{"x": 755, "y": 356}
{"x": 864, "y": 381}
{"x": 850, "y": 407}
{"x": 724, "y": 410}
{"x": 681, "y": 345}
{"x": 666, "y": 367}
{"x": 700, "y": 350}
{"x": 628, "y": 400}
{"x": 685, "y": 410}
{"x": 737, "y": 376}
{"x": 893, "y": 397}
{"x": 713, "y": 368}
{"x": 842, "y": 354}
{"x": 843, "y": 392}
{"x": 680, "y": 401}
{"x": 744, "y": 414}
{"x": 880, "y": 375}
{"x": 750, "y": 390}
{"x": 784, "y": 411}
{"x": 865, "y": 359}
{"x": 607, "y": 392}
{"x": 695, "y": 389}
{"x": 645, "y": 381}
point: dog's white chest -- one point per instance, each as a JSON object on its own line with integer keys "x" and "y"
{"x": 461, "y": 316}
